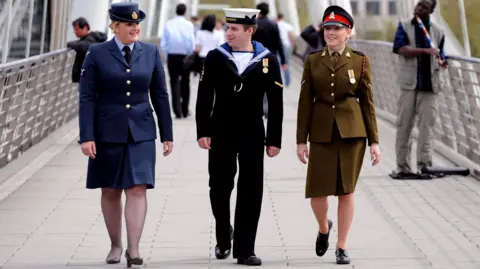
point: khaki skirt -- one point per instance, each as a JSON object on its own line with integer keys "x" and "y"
{"x": 334, "y": 167}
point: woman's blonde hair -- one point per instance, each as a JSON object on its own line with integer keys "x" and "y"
{"x": 112, "y": 25}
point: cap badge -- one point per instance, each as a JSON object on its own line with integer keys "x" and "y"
{"x": 134, "y": 15}
{"x": 332, "y": 15}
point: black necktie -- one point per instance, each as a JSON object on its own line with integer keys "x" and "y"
{"x": 128, "y": 53}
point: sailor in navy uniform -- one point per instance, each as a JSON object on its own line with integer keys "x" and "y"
{"x": 117, "y": 126}
{"x": 229, "y": 117}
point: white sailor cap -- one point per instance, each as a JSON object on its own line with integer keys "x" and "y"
{"x": 241, "y": 15}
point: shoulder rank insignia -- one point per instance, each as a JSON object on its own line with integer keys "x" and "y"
{"x": 358, "y": 52}
{"x": 348, "y": 54}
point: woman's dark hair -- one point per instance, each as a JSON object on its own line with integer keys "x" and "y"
{"x": 209, "y": 23}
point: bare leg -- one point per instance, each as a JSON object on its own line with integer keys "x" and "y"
{"x": 112, "y": 213}
{"x": 135, "y": 213}
{"x": 346, "y": 208}
{"x": 320, "y": 209}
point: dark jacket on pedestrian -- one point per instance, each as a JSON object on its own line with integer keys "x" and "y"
{"x": 268, "y": 34}
{"x": 314, "y": 39}
{"x": 81, "y": 47}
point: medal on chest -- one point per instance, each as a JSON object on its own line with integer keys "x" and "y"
{"x": 351, "y": 75}
{"x": 265, "y": 65}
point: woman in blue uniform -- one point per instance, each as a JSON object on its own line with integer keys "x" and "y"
{"x": 117, "y": 127}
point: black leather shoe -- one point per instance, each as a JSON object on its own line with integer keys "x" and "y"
{"x": 321, "y": 246}
{"x": 342, "y": 256}
{"x": 250, "y": 261}
{"x": 222, "y": 254}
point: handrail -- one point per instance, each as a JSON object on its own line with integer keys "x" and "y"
{"x": 32, "y": 59}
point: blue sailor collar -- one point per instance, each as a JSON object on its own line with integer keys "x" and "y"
{"x": 259, "y": 52}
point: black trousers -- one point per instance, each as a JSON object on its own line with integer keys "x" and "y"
{"x": 222, "y": 167}
{"x": 179, "y": 84}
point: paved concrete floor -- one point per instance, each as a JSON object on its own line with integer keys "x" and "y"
{"x": 49, "y": 220}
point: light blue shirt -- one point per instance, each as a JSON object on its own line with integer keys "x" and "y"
{"x": 178, "y": 37}
{"x": 121, "y": 45}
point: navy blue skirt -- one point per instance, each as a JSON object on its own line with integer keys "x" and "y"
{"x": 122, "y": 166}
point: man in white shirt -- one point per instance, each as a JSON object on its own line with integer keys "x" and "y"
{"x": 287, "y": 35}
{"x": 178, "y": 41}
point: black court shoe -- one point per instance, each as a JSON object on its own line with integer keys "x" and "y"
{"x": 134, "y": 261}
{"x": 222, "y": 254}
{"x": 321, "y": 246}
{"x": 250, "y": 261}
{"x": 342, "y": 256}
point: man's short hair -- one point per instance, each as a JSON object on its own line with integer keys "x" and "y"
{"x": 280, "y": 16}
{"x": 255, "y": 27}
{"x": 81, "y": 23}
{"x": 432, "y": 2}
{"x": 264, "y": 9}
{"x": 181, "y": 9}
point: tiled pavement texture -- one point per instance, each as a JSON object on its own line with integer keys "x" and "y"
{"x": 52, "y": 221}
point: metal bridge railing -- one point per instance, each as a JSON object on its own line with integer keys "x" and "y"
{"x": 36, "y": 98}
{"x": 458, "y": 123}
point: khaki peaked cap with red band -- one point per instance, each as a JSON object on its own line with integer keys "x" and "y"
{"x": 337, "y": 16}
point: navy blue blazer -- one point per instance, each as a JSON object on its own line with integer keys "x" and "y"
{"x": 114, "y": 96}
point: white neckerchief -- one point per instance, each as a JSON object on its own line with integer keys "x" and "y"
{"x": 242, "y": 60}
{"x": 257, "y": 58}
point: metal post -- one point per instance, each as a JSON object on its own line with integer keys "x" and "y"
{"x": 60, "y": 24}
{"x": 290, "y": 11}
{"x": 163, "y": 16}
{"x": 6, "y": 46}
{"x": 29, "y": 31}
{"x": 107, "y": 29}
{"x": 316, "y": 7}
{"x": 68, "y": 11}
{"x": 44, "y": 24}
{"x": 463, "y": 19}
{"x": 53, "y": 25}
{"x": 273, "y": 9}
{"x": 194, "y": 7}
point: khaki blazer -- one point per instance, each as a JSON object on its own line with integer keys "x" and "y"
{"x": 329, "y": 94}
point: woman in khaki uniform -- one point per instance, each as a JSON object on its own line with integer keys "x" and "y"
{"x": 336, "y": 114}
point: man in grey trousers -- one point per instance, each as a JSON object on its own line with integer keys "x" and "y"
{"x": 419, "y": 79}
